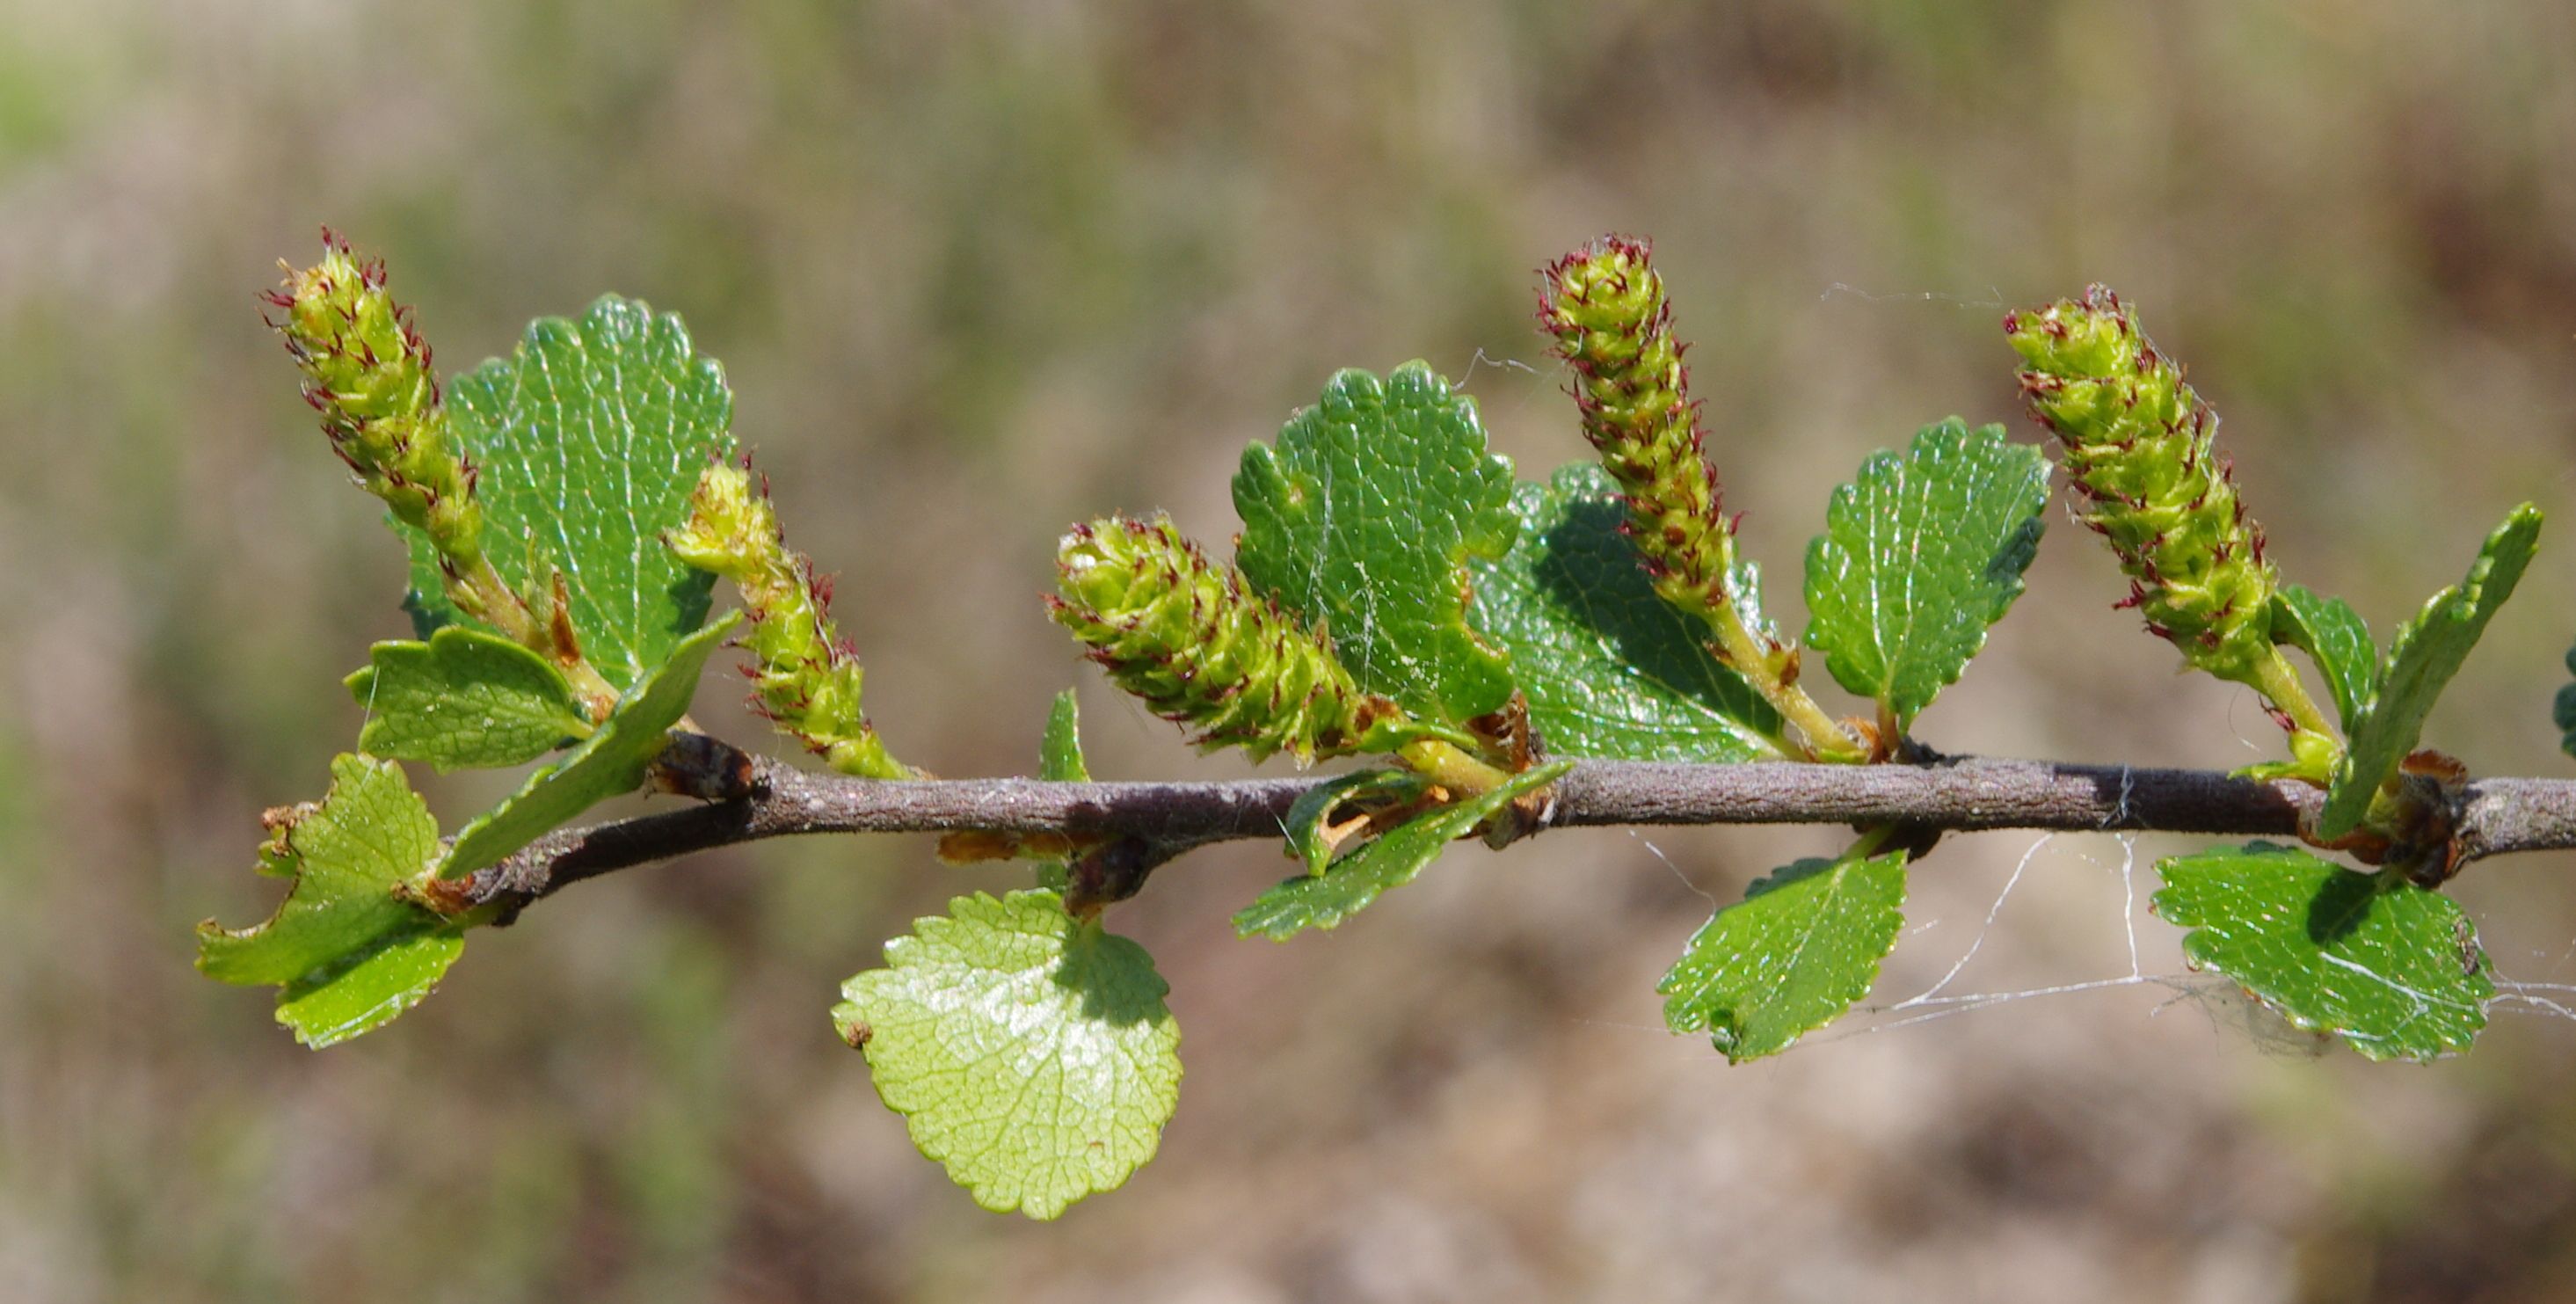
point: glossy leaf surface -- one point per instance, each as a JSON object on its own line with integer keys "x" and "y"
{"x": 609, "y": 763}
{"x": 1349, "y": 884}
{"x": 2338, "y": 640}
{"x": 1921, "y": 554}
{"x": 1790, "y": 957}
{"x": 2427, "y": 651}
{"x": 464, "y": 699}
{"x": 589, "y": 440}
{"x": 2391, "y": 967}
{"x": 1365, "y": 516}
{"x": 1609, "y": 669}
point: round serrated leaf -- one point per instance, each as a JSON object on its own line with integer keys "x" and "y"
{"x": 1029, "y": 1052}
{"x": 589, "y": 440}
{"x": 2391, "y": 967}
{"x": 1790, "y": 957}
{"x": 1921, "y": 554}
{"x": 1609, "y": 668}
{"x": 1364, "y": 518}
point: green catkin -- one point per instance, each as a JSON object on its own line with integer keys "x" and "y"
{"x": 367, "y": 371}
{"x": 1606, "y": 308}
{"x": 807, "y": 678}
{"x": 1188, "y": 638}
{"x": 2140, "y": 453}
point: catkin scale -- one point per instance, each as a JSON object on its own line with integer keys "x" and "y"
{"x": 1188, "y": 638}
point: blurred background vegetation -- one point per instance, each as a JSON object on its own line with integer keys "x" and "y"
{"x": 979, "y": 268}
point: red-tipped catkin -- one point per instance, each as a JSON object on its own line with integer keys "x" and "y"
{"x": 367, "y": 371}
{"x": 1187, "y": 637}
{"x": 807, "y": 678}
{"x": 2140, "y": 451}
{"x": 1606, "y": 309}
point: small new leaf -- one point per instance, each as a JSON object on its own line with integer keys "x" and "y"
{"x": 464, "y": 699}
{"x": 588, "y": 441}
{"x": 1365, "y": 517}
{"x": 2337, "y": 639}
{"x": 1310, "y": 835}
{"x": 609, "y": 763}
{"x": 1060, "y": 761}
{"x": 1349, "y": 884}
{"x": 1060, "y": 751}
{"x": 1030, "y": 1053}
{"x": 349, "y": 953}
{"x": 1790, "y": 957}
{"x": 1921, "y": 554}
{"x": 1610, "y": 669}
{"x": 2427, "y": 651}
{"x": 2392, "y": 968}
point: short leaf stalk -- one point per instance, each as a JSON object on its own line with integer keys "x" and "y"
{"x": 367, "y": 371}
{"x": 807, "y": 677}
{"x": 1605, "y": 307}
{"x": 2140, "y": 449}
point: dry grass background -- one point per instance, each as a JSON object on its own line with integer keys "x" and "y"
{"x": 980, "y": 268}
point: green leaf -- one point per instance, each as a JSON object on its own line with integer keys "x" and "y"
{"x": 1060, "y": 761}
{"x": 1790, "y": 957}
{"x": 609, "y": 763}
{"x": 1060, "y": 753}
{"x": 1609, "y": 668}
{"x": 2427, "y": 651}
{"x": 464, "y": 699}
{"x": 1029, "y": 1052}
{"x": 1352, "y": 882}
{"x": 1920, "y": 554}
{"x": 349, "y": 952}
{"x": 335, "y": 1005}
{"x": 2337, "y": 639}
{"x": 589, "y": 440}
{"x": 2391, "y": 967}
{"x": 1365, "y": 516}
{"x": 1313, "y": 807}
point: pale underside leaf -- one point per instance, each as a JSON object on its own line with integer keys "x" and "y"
{"x": 348, "y": 952}
{"x": 1030, "y": 1053}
